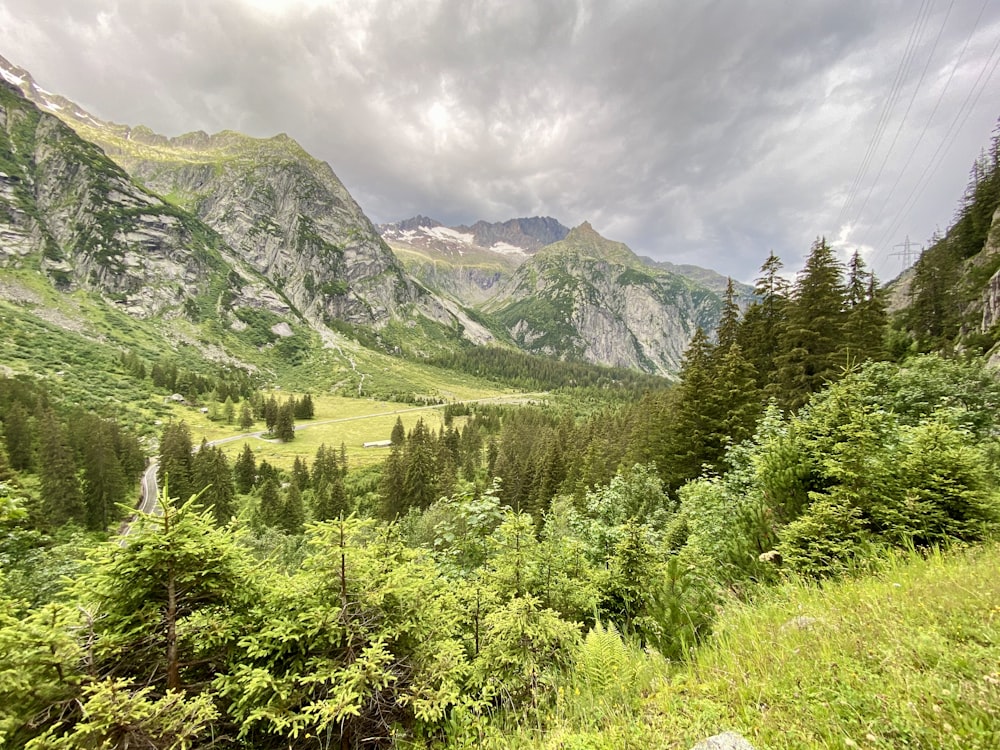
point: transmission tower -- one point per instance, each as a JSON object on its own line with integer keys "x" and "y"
{"x": 909, "y": 252}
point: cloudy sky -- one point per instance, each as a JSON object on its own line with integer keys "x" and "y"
{"x": 704, "y": 132}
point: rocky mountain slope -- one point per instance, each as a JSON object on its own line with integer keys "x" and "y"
{"x": 69, "y": 212}
{"x": 467, "y": 263}
{"x": 214, "y": 227}
{"x": 277, "y": 211}
{"x": 589, "y": 298}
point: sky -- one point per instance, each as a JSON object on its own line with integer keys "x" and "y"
{"x": 696, "y": 132}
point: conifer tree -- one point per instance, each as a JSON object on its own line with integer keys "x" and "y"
{"x": 764, "y": 322}
{"x": 103, "y": 477}
{"x": 391, "y": 486}
{"x": 419, "y": 486}
{"x": 246, "y": 416}
{"x": 293, "y": 514}
{"x": 245, "y": 470}
{"x": 811, "y": 343}
{"x": 694, "y": 437}
{"x": 228, "y": 410}
{"x": 61, "y": 497}
{"x": 865, "y": 324}
{"x": 300, "y": 473}
{"x": 19, "y": 437}
{"x": 271, "y": 409}
{"x": 729, "y": 321}
{"x": 174, "y": 468}
{"x": 284, "y": 428}
{"x": 270, "y": 509}
{"x": 213, "y": 479}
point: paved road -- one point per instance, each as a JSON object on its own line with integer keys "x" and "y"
{"x": 149, "y": 490}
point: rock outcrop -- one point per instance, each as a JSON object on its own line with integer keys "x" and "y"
{"x": 66, "y": 209}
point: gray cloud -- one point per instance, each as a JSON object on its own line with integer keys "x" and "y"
{"x": 695, "y": 132}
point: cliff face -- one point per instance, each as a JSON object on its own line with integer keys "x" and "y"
{"x": 70, "y": 212}
{"x": 283, "y": 212}
{"x": 991, "y": 294}
{"x": 588, "y": 298}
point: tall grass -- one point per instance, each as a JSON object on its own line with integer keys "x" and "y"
{"x": 907, "y": 656}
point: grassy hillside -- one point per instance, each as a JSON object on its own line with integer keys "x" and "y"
{"x": 906, "y": 657}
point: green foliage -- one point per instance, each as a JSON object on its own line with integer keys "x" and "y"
{"x": 524, "y": 648}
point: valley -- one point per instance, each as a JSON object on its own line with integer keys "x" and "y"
{"x": 505, "y": 484}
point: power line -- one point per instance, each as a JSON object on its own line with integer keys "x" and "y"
{"x": 961, "y": 116}
{"x": 890, "y": 101}
{"x": 930, "y": 118}
{"x": 902, "y": 121}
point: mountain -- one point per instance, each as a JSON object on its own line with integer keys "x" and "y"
{"x": 69, "y": 212}
{"x": 586, "y": 297}
{"x": 277, "y": 210}
{"x": 467, "y": 263}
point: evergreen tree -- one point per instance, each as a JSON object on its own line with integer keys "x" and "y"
{"x": 213, "y": 478}
{"x": 304, "y": 408}
{"x": 60, "y": 494}
{"x": 284, "y": 428}
{"x": 245, "y": 470}
{"x": 738, "y": 399}
{"x": 19, "y": 437}
{"x": 270, "y": 509}
{"x": 729, "y": 321}
{"x": 865, "y": 325}
{"x": 391, "y": 485}
{"x": 300, "y": 473}
{"x": 246, "y": 416}
{"x": 293, "y": 513}
{"x": 419, "y": 486}
{"x": 271, "y": 410}
{"x": 694, "y": 437}
{"x": 812, "y": 341}
{"x": 103, "y": 478}
{"x": 764, "y": 322}
{"x": 174, "y": 470}
{"x": 228, "y": 410}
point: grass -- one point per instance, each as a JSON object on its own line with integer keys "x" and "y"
{"x": 908, "y": 657}
{"x": 360, "y": 421}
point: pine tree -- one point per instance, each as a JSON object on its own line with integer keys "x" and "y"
{"x": 228, "y": 410}
{"x": 270, "y": 508}
{"x": 738, "y": 399}
{"x": 271, "y": 410}
{"x": 284, "y": 428}
{"x": 246, "y": 416}
{"x": 213, "y": 478}
{"x": 812, "y": 341}
{"x": 729, "y": 322}
{"x": 418, "y": 468}
{"x": 174, "y": 470}
{"x": 245, "y": 470}
{"x": 764, "y": 322}
{"x": 293, "y": 513}
{"x": 60, "y": 493}
{"x": 694, "y": 437}
{"x": 391, "y": 485}
{"x": 304, "y": 408}
{"x": 19, "y": 437}
{"x": 865, "y": 325}
{"x": 300, "y": 473}
{"x": 103, "y": 477}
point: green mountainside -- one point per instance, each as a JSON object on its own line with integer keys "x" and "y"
{"x": 589, "y": 298}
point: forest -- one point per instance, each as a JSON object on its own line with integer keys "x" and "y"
{"x": 488, "y": 576}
